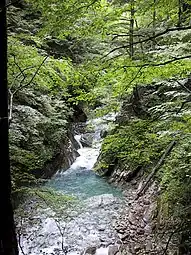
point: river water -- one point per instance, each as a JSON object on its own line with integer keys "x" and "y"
{"x": 88, "y": 227}
{"x": 79, "y": 180}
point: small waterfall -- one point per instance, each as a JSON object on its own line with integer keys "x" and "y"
{"x": 77, "y": 138}
{"x": 79, "y": 180}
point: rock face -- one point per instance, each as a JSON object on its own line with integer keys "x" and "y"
{"x": 41, "y": 139}
{"x": 68, "y": 47}
{"x": 157, "y": 102}
{"x": 153, "y": 101}
{"x": 63, "y": 159}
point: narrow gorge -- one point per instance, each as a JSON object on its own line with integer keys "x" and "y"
{"x": 86, "y": 226}
{"x": 99, "y": 124}
{"x": 118, "y": 210}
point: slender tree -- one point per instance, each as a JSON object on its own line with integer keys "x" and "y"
{"x": 154, "y": 23}
{"x": 179, "y": 13}
{"x": 8, "y": 242}
{"x": 131, "y": 28}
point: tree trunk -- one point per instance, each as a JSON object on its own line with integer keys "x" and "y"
{"x": 10, "y": 106}
{"x": 179, "y": 13}
{"x": 131, "y": 29}
{"x": 8, "y": 242}
{"x": 154, "y": 24}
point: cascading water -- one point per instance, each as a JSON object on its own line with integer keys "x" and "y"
{"x": 90, "y": 228}
{"x": 79, "y": 180}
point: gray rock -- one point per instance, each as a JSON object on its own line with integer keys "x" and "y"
{"x": 146, "y": 202}
{"x": 125, "y": 236}
{"x": 140, "y": 231}
{"x": 103, "y": 133}
{"x": 148, "y": 229}
{"x": 148, "y": 246}
{"x": 86, "y": 140}
{"x": 90, "y": 250}
{"x": 101, "y": 227}
{"x": 113, "y": 249}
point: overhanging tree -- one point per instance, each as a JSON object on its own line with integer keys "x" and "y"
{"x": 8, "y": 242}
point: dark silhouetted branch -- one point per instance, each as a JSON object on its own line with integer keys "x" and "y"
{"x": 168, "y": 30}
{"x": 160, "y": 63}
{"x": 170, "y": 237}
{"x": 21, "y": 86}
{"x": 9, "y": 4}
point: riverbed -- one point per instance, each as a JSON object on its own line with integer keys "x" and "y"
{"x": 86, "y": 227}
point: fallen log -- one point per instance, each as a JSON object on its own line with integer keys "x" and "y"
{"x": 155, "y": 169}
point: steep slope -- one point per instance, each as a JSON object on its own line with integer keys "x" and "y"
{"x": 148, "y": 153}
{"x": 42, "y": 99}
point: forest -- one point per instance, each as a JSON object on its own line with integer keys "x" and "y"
{"x": 99, "y": 127}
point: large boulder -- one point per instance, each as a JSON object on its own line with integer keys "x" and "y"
{"x": 86, "y": 140}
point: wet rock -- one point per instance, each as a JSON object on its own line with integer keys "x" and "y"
{"x": 113, "y": 249}
{"x": 134, "y": 182}
{"x": 125, "y": 236}
{"x": 101, "y": 227}
{"x": 137, "y": 247}
{"x": 90, "y": 250}
{"x": 79, "y": 114}
{"x": 148, "y": 246}
{"x": 86, "y": 140}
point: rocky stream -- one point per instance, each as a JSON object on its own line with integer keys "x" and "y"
{"x": 89, "y": 226}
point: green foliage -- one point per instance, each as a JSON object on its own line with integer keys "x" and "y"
{"x": 176, "y": 172}
{"x": 141, "y": 142}
{"x": 42, "y": 106}
{"x": 176, "y": 176}
{"x": 74, "y": 15}
{"x": 27, "y": 57}
{"x": 101, "y": 26}
{"x": 135, "y": 144}
{"x": 175, "y": 179}
{"x": 104, "y": 74}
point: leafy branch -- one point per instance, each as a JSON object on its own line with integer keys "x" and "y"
{"x": 160, "y": 63}
{"x": 21, "y": 85}
{"x": 168, "y": 30}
